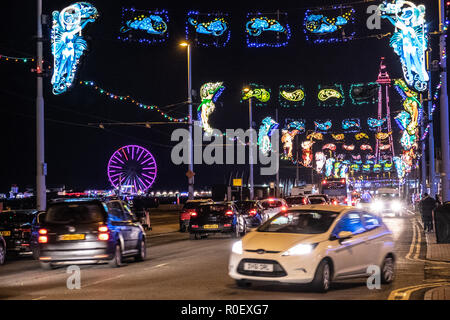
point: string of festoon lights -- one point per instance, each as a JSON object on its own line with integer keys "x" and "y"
{"x": 129, "y": 99}
{"x": 4, "y": 57}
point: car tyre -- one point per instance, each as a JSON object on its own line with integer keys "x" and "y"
{"x": 322, "y": 278}
{"x": 243, "y": 283}
{"x": 46, "y": 265}
{"x": 2, "y": 255}
{"x": 194, "y": 236}
{"x": 142, "y": 249}
{"x": 387, "y": 270}
{"x": 116, "y": 261}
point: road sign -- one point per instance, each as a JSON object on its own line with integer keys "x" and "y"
{"x": 190, "y": 174}
{"x": 237, "y": 182}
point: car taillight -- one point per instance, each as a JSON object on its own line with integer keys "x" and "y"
{"x": 103, "y": 229}
{"x": 283, "y": 208}
{"x": 229, "y": 213}
{"x": 193, "y": 213}
{"x": 43, "y": 239}
{"x": 304, "y": 201}
{"x": 252, "y": 212}
{"x": 227, "y": 225}
{"x": 335, "y": 202}
{"x": 43, "y": 231}
{"x": 194, "y": 226}
{"x": 103, "y": 233}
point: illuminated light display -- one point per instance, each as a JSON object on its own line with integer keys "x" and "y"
{"x": 323, "y": 125}
{"x": 133, "y": 166}
{"x": 336, "y": 168}
{"x": 329, "y": 165}
{"x": 315, "y": 135}
{"x": 297, "y": 125}
{"x": 144, "y": 26}
{"x": 366, "y": 168}
{"x": 382, "y": 135}
{"x": 291, "y": 95}
{"x": 67, "y": 44}
{"x": 347, "y": 147}
{"x": 366, "y": 147}
{"x": 356, "y": 157}
{"x": 264, "y": 133}
{"x": 351, "y": 125}
{"x": 329, "y": 146}
{"x": 375, "y": 123}
{"x": 410, "y": 40}
{"x": 329, "y": 96}
{"x": 208, "y": 29}
{"x": 403, "y": 119}
{"x": 329, "y": 24}
{"x": 377, "y": 168}
{"x": 307, "y": 154}
{"x": 320, "y": 159}
{"x": 385, "y": 146}
{"x": 361, "y": 135}
{"x": 209, "y": 92}
{"x": 263, "y": 31}
{"x": 287, "y": 138}
{"x": 258, "y": 92}
{"x": 387, "y": 167}
{"x": 410, "y": 104}
{"x": 370, "y": 157}
{"x": 364, "y": 93}
{"x": 15, "y": 59}
{"x": 338, "y": 137}
{"x": 355, "y": 167}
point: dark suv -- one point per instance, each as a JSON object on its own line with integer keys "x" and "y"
{"x": 15, "y": 226}
{"x": 87, "y": 231}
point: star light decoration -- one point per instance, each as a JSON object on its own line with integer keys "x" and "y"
{"x": 262, "y": 31}
{"x": 327, "y": 25}
{"x": 208, "y": 29}
{"x": 144, "y": 26}
{"x": 291, "y": 95}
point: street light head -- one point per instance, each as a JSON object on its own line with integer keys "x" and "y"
{"x": 246, "y": 89}
{"x": 184, "y": 44}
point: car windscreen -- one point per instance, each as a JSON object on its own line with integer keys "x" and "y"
{"x": 272, "y": 204}
{"x": 193, "y": 205}
{"x": 217, "y": 209}
{"x": 295, "y": 200}
{"x": 303, "y": 222}
{"x": 15, "y": 217}
{"x": 245, "y": 205}
{"x": 317, "y": 200}
{"x": 79, "y": 213}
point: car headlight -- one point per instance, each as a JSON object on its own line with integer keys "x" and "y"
{"x": 359, "y": 205}
{"x": 396, "y": 206}
{"x": 237, "y": 247}
{"x": 377, "y": 205}
{"x": 300, "y": 249}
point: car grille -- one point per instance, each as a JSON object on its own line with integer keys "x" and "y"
{"x": 278, "y": 270}
{"x": 262, "y": 251}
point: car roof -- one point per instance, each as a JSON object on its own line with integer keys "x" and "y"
{"x": 69, "y": 200}
{"x": 323, "y": 207}
{"x": 272, "y": 199}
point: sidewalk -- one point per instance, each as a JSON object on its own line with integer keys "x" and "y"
{"x": 440, "y": 293}
{"x": 437, "y": 251}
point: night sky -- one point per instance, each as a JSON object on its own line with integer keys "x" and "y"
{"x": 77, "y": 154}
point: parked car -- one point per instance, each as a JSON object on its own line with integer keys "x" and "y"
{"x": 251, "y": 211}
{"x": 296, "y": 201}
{"x": 189, "y": 208}
{"x": 315, "y": 244}
{"x": 15, "y": 226}
{"x": 273, "y": 206}
{"x": 87, "y": 231}
{"x": 218, "y": 217}
{"x": 2, "y": 250}
{"x": 319, "y": 199}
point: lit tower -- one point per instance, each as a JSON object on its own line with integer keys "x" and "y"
{"x": 385, "y": 82}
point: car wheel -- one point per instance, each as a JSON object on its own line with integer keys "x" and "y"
{"x": 142, "y": 251}
{"x": 46, "y": 265}
{"x": 35, "y": 253}
{"x": 116, "y": 261}
{"x": 388, "y": 270}
{"x": 322, "y": 278}
{"x": 194, "y": 236}
{"x": 2, "y": 255}
{"x": 243, "y": 283}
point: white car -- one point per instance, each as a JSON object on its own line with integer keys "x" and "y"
{"x": 316, "y": 244}
{"x": 388, "y": 206}
{"x": 273, "y": 206}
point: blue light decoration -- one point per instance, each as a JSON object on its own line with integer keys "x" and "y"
{"x": 329, "y": 165}
{"x": 267, "y": 30}
{"x": 402, "y": 120}
{"x": 208, "y": 29}
{"x": 291, "y": 95}
{"x": 296, "y": 125}
{"x": 351, "y": 125}
{"x": 264, "y": 133}
{"x": 323, "y": 126}
{"x": 399, "y": 167}
{"x": 331, "y": 24}
{"x": 144, "y": 26}
{"x": 260, "y": 94}
{"x": 410, "y": 40}
{"x": 330, "y": 95}
{"x": 355, "y": 167}
{"x": 364, "y": 93}
{"x": 374, "y": 123}
{"x": 67, "y": 43}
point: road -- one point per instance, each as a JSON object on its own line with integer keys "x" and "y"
{"x": 179, "y": 268}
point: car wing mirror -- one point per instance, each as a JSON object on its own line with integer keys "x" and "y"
{"x": 344, "y": 235}
{"x": 40, "y": 216}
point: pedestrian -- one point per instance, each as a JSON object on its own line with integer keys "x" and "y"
{"x": 438, "y": 200}
{"x": 426, "y": 207}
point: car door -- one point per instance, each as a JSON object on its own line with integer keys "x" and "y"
{"x": 347, "y": 254}
{"x": 117, "y": 221}
{"x": 375, "y": 235}
{"x": 133, "y": 229}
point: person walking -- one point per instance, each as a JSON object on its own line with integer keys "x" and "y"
{"x": 426, "y": 206}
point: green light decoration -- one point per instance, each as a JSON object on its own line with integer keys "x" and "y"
{"x": 258, "y": 92}
{"x": 329, "y": 96}
{"x": 291, "y": 95}
{"x": 364, "y": 93}
{"x": 209, "y": 92}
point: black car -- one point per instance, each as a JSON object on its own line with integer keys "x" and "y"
{"x": 251, "y": 211}
{"x": 190, "y": 208}
{"x": 2, "y": 250}
{"x": 300, "y": 200}
{"x": 87, "y": 231}
{"x": 15, "y": 226}
{"x": 216, "y": 218}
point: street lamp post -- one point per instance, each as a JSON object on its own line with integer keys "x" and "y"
{"x": 250, "y": 150}
{"x": 191, "y": 141}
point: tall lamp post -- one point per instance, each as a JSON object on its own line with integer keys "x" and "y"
{"x": 190, "y": 173}
{"x": 250, "y": 150}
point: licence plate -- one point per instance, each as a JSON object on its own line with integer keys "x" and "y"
{"x": 211, "y": 226}
{"x": 267, "y": 267}
{"x": 66, "y": 237}
{"x": 5, "y": 233}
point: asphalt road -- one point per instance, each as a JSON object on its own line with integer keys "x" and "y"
{"x": 179, "y": 268}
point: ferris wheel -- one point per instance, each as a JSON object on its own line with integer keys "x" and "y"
{"x": 132, "y": 167}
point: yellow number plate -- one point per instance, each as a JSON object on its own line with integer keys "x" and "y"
{"x": 211, "y": 226}
{"x": 5, "y": 233}
{"x": 72, "y": 237}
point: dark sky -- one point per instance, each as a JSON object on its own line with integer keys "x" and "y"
{"x": 77, "y": 155}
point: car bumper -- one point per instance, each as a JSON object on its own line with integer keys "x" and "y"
{"x": 18, "y": 246}
{"x": 220, "y": 229}
{"x": 289, "y": 269}
{"x": 76, "y": 253}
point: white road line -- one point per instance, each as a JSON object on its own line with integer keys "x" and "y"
{"x": 100, "y": 281}
{"x": 157, "y": 266}
{"x": 39, "y": 298}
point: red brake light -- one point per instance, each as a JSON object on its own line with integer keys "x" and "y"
{"x": 252, "y": 212}
{"x": 271, "y": 200}
{"x": 304, "y": 200}
{"x": 103, "y": 236}
{"x": 43, "y": 239}
{"x": 194, "y": 226}
{"x": 193, "y": 213}
{"x": 342, "y": 180}
{"x": 103, "y": 229}
{"x": 335, "y": 202}
{"x": 283, "y": 208}
{"x": 229, "y": 213}
{"x": 43, "y": 231}
{"x": 324, "y": 181}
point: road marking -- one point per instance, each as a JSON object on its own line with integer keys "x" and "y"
{"x": 405, "y": 293}
{"x": 39, "y": 298}
{"x": 100, "y": 281}
{"x": 419, "y": 240}
{"x": 157, "y": 266}
{"x": 411, "y": 247}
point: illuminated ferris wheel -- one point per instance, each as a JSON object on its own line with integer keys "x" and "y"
{"x": 132, "y": 167}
